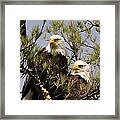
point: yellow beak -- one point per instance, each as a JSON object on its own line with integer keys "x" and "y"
{"x": 51, "y": 41}
{"x": 75, "y": 67}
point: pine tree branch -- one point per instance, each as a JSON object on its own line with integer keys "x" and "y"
{"x": 34, "y": 41}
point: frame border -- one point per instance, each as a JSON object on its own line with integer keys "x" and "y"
{"x": 53, "y": 2}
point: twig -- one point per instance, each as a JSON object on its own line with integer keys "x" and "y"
{"x": 88, "y": 46}
{"x": 66, "y": 41}
{"x": 92, "y": 25}
{"x": 69, "y": 49}
{"x": 36, "y": 37}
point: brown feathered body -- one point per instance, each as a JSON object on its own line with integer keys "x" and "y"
{"x": 38, "y": 84}
{"x": 77, "y": 87}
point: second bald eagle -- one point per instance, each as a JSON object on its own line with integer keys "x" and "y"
{"x": 78, "y": 81}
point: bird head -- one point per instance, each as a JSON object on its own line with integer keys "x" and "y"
{"x": 81, "y": 68}
{"x": 56, "y": 40}
{"x": 56, "y": 43}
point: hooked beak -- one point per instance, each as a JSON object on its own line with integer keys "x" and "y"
{"x": 51, "y": 41}
{"x": 75, "y": 68}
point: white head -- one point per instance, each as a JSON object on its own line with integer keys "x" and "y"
{"x": 81, "y": 68}
{"x": 56, "y": 42}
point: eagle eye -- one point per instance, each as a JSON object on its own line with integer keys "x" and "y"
{"x": 80, "y": 66}
{"x": 56, "y": 39}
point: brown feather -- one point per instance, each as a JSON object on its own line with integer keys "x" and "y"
{"x": 76, "y": 88}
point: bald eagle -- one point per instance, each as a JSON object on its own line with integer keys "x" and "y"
{"x": 78, "y": 82}
{"x": 50, "y": 60}
{"x": 57, "y": 51}
{"x": 81, "y": 69}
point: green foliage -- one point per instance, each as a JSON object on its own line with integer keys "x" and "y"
{"x": 95, "y": 56}
{"x": 35, "y": 32}
{"x": 81, "y": 44}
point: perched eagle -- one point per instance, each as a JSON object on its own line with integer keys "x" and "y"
{"x": 50, "y": 60}
{"x": 78, "y": 82}
{"x": 57, "y": 50}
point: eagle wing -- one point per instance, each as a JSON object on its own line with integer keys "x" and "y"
{"x": 40, "y": 70}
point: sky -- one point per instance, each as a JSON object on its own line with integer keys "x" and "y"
{"x": 31, "y": 24}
